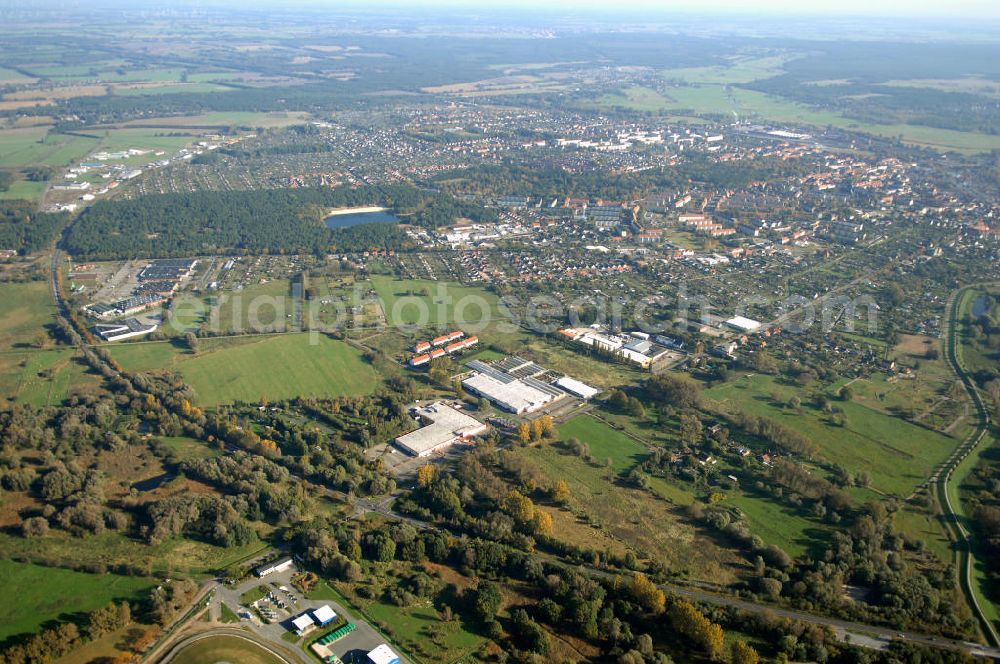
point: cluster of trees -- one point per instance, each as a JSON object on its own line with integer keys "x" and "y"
{"x": 259, "y": 221}
{"x": 25, "y": 230}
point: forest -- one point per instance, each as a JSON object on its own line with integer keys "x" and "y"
{"x": 264, "y": 221}
{"x": 25, "y": 230}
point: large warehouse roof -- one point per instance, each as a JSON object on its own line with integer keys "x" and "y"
{"x": 515, "y": 396}
{"x": 446, "y": 426}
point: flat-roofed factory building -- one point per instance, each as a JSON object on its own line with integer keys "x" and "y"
{"x": 443, "y": 426}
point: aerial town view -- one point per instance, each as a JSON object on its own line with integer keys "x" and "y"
{"x": 455, "y": 332}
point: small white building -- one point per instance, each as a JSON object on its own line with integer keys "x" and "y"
{"x": 276, "y": 566}
{"x": 383, "y": 655}
{"x": 303, "y": 624}
{"x": 575, "y": 387}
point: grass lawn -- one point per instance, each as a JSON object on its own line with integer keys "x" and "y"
{"x": 40, "y": 594}
{"x": 920, "y": 524}
{"x": 707, "y": 94}
{"x": 189, "y": 448}
{"x": 44, "y": 377}
{"x": 224, "y": 649}
{"x": 25, "y": 310}
{"x": 23, "y": 190}
{"x": 446, "y": 304}
{"x": 227, "y": 614}
{"x": 779, "y": 524}
{"x": 246, "y": 368}
{"x": 898, "y": 455}
{"x": 605, "y": 442}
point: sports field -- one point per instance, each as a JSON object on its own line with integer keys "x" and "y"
{"x": 216, "y": 649}
{"x": 897, "y": 454}
{"x": 37, "y": 594}
{"x": 248, "y": 368}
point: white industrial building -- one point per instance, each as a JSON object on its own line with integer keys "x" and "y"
{"x": 513, "y": 395}
{"x": 383, "y": 655}
{"x": 443, "y": 426}
{"x": 575, "y": 387}
{"x": 631, "y": 347}
{"x": 123, "y": 330}
{"x": 279, "y": 565}
{"x": 744, "y": 324}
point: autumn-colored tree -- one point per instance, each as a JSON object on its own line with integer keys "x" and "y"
{"x": 646, "y": 594}
{"x": 548, "y": 426}
{"x": 536, "y": 430}
{"x": 425, "y": 476}
{"x": 524, "y": 432}
{"x": 542, "y": 523}
{"x": 519, "y": 507}
{"x": 561, "y": 492}
{"x": 742, "y": 652}
{"x": 690, "y": 622}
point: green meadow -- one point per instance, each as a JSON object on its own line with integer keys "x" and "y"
{"x": 248, "y": 368}
{"x": 898, "y": 455}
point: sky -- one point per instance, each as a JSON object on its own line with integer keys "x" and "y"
{"x": 953, "y": 9}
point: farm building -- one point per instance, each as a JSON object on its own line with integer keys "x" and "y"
{"x": 443, "y": 426}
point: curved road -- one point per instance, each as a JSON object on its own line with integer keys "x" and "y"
{"x": 225, "y": 631}
{"x": 966, "y": 558}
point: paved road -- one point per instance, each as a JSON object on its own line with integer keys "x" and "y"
{"x": 966, "y": 557}
{"x": 282, "y": 653}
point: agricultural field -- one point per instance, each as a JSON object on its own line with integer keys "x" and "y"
{"x": 47, "y": 593}
{"x": 898, "y": 455}
{"x": 248, "y": 368}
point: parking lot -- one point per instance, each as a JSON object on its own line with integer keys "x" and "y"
{"x": 274, "y": 611}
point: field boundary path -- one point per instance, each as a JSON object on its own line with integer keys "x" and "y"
{"x": 943, "y": 475}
